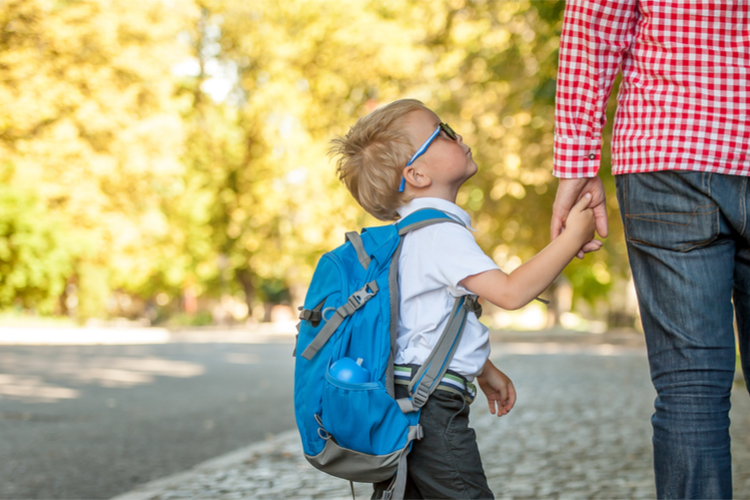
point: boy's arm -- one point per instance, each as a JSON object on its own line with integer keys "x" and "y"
{"x": 515, "y": 290}
{"x": 501, "y": 395}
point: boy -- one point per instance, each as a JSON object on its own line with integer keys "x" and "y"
{"x": 394, "y": 161}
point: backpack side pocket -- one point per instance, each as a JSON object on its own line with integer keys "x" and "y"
{"x": 363, "y": 417}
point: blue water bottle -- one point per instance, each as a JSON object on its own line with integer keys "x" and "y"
{"x": 348, "y": 370}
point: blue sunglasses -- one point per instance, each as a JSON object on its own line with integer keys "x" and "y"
{"x": 442, "y": 127}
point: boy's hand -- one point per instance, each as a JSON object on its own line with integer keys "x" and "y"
{"x": 581, "y": 221}
{"x": 501, "y": 395}
{"x": 568, "y": 192}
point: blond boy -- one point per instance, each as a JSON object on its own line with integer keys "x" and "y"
{"x": 394, "y": 161}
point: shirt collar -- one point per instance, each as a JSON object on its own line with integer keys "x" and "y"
{"x": 446, "y": 206}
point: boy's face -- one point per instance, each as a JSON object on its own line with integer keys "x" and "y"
{"x": 447, "y": 162}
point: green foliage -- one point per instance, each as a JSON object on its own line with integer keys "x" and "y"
{"x": 186, "y": 320}
{"x": 35, "y": 255}
{"x": 182, "y": 146}
{"x": 89, "y": 119}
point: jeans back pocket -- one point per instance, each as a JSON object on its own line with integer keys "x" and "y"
{"x": 670, "y": 210}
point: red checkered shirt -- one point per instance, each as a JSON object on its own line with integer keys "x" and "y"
{"x": 684, "y": 100}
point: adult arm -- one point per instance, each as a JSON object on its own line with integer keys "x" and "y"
{"x": 595, "y": 37}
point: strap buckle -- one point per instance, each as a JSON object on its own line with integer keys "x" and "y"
{"x": 358, "y": 298}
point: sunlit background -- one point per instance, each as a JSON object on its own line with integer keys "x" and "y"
{"x": 165, "y": 162}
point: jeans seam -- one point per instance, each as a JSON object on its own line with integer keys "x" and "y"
{"x": 743, "y": 206}
{"x": 692, "y": 214}
{"x": 625, "y": 183}
{"x": 448, "y": 438}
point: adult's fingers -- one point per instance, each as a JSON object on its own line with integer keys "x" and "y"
{"x": 592, "y": 246}
{"x": 600, "y": 219}
{"x": 556, "y": 225}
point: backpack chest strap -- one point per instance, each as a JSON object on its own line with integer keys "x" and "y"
{"x": 354, "y": 302}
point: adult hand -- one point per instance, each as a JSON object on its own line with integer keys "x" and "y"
{"x": 569, "y": 191}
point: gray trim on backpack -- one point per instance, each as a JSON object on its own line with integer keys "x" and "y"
{"x": 355, "y": 301}
{"x": 359, "y": 247}
{"x": 395, "y": 304}
{"x": 361, "y": 467}
{"x": 398, "y": 487}
{"x": 424, "y": 223}
{"x": 435, "y": 366}
{"x": 441, "y": 355}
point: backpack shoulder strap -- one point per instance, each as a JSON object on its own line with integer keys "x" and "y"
{"x": 422, "y": 218}
{"x": 436, "y": 365}
{"x": 434, "y": 368}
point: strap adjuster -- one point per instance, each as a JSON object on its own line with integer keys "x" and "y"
{"x": 419, "y": 398}
{"x": 309, "y": 315}
{"x": 472, "y": 305}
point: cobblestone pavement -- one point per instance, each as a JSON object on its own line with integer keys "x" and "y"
{"x": 580, "y": 430}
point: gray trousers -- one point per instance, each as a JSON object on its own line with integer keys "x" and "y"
{"x": 445, "y": 463}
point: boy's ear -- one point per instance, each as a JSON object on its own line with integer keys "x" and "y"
{"x": 416, "y": 179}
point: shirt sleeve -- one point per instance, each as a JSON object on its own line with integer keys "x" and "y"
{"x": 595, "y": 35}
{"x": 459, "y": 257}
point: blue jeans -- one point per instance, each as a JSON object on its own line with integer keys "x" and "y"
{"x": 689, "y": 247}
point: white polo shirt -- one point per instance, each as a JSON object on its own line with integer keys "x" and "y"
{"x": 433, "y": 260}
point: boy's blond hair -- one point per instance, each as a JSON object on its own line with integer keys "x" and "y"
{"x": 373, "y": 155}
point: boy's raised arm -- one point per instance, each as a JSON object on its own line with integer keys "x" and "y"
{"x": 515, "y": 290}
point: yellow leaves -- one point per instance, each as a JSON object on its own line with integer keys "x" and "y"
{"x": 512, "y": 163}
{"x": 87, "y": 98}
{"x": 516, "y": 190}
{"x": 448, "y": 64}
{"x": 465, "y": 33}
{"x": 159, "y": 185}
{"x": 498, "y": 38}
{"x": 154, "y": 223}
{"x": 502, "y": 187}
{"x": 600, "y": 272}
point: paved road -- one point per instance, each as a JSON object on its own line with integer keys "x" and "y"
{"x": 580, "y": 430}
{"x": 90, "y": 422}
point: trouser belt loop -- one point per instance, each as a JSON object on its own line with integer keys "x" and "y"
{"x": 451, "y": 382}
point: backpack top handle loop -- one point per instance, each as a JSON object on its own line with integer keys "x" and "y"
{"x": 356, "y": 240}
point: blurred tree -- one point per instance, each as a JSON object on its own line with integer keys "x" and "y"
{"x": 181, "y": 145}
{"x": 35, "y": 254}
{"x": 89, "y": 123}
{"x": 494, "y": 77}
{"x": 302, "y": 70}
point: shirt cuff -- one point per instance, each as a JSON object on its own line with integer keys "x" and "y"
{"x": 576, "y": 157}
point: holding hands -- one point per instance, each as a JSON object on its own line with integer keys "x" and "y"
{"x": 580, "y": 224}
{"x": 570, "y": 194}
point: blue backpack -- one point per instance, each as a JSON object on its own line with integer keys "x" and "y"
{"x": 359, "y": 431}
